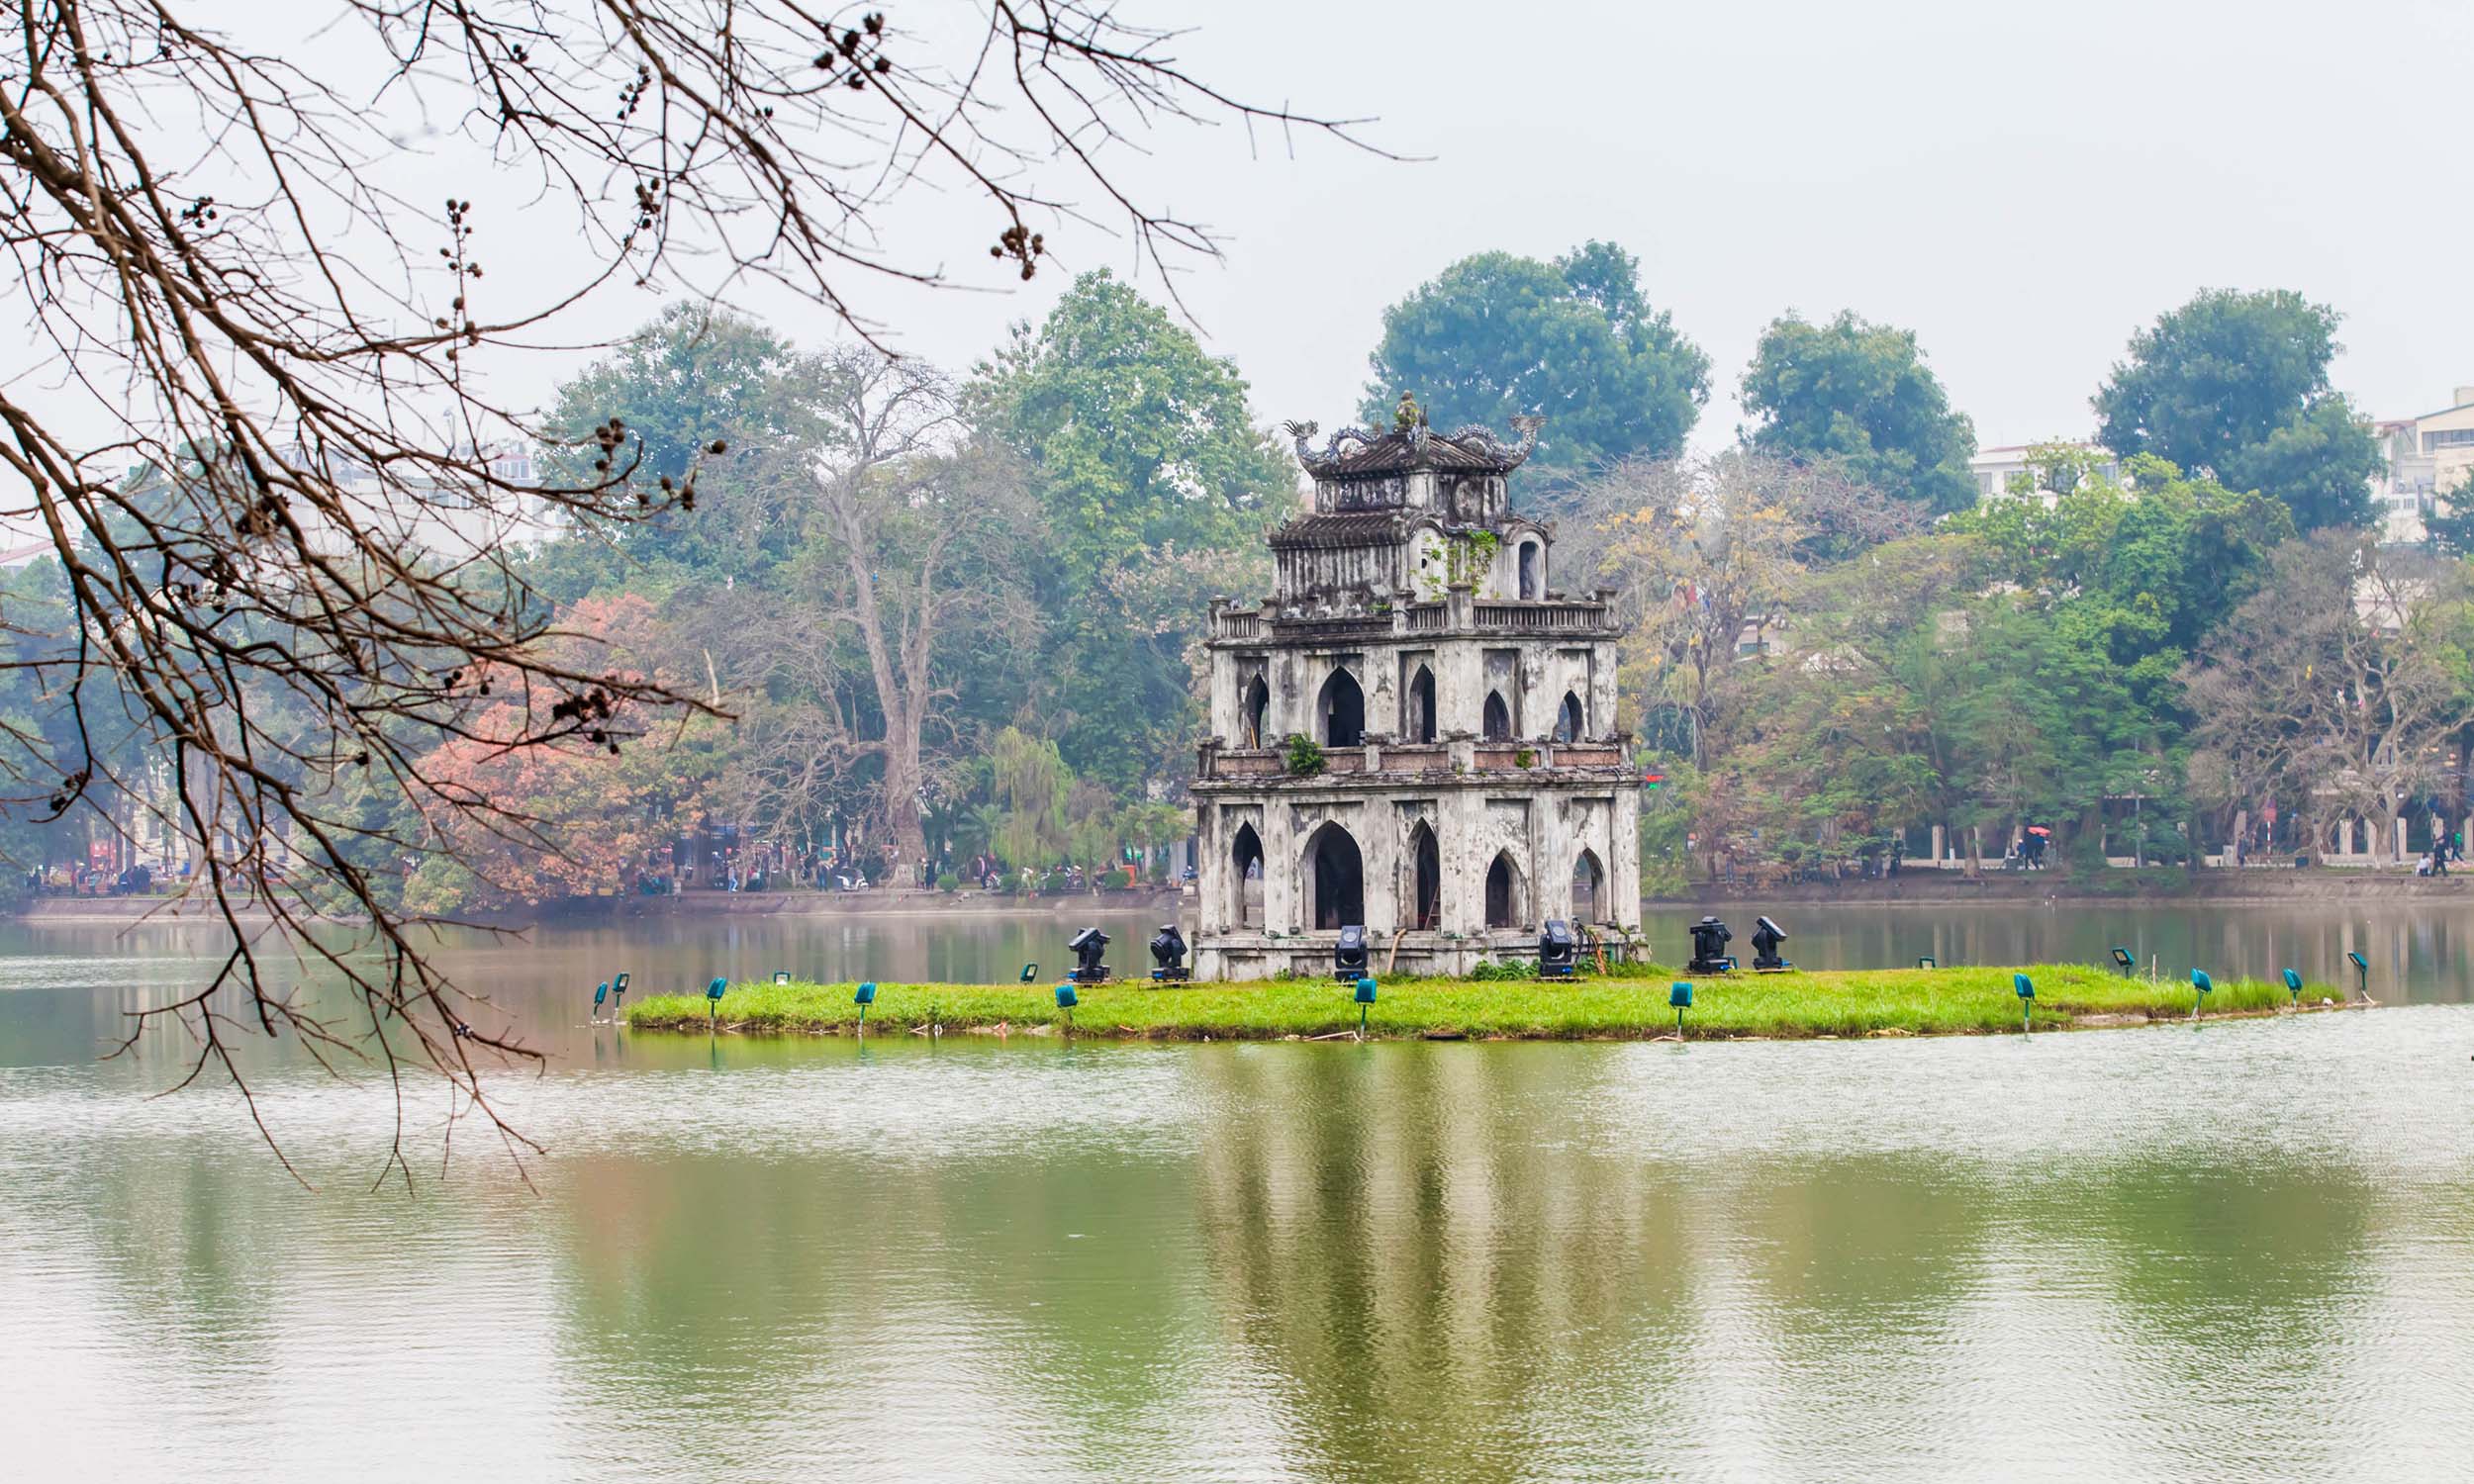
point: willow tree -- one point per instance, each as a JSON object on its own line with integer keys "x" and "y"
{"x": 227, "y": 283}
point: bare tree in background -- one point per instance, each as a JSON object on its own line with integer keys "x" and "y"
{"x": 909, "y": 525}
{"x": 1704, "y": 552}
{"x": 2334, "y": 689}
{"x": 226, "y": 291}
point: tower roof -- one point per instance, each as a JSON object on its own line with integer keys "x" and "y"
{"x": 1353, "y": 452}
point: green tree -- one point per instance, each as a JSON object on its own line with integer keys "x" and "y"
{"x": 1861, "y": 393}
{"x": 1138, "y": 448}
{"x": 2237, "y": 384}
{"x": 1575, "y": 341}
{"x": 690, "y": 382}
{"x": 2146, "y": 571}
{"x": 1030, "y": 782}
{"x": 2450, "y": 526}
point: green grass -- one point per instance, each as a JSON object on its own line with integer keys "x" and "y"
{"x": 1630, "y": 1006}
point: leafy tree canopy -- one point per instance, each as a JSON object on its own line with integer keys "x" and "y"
{"x": 1575, "y": 341}
{"x": 2146, "y": 575}
{"x": 1861, "y": 393}
{"x": 1142, "y": 452}
{"x": 2237, "y": 384}
{"x": 689, "y": 380}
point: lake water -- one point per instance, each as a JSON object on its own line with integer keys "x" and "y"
{"x": 2236, "y": 1250}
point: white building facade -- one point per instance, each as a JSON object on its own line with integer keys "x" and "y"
{"x": 1465, "y": 781}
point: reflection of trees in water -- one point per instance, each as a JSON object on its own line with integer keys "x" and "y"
{"x": 1445, "y": 1281}
{"x": 2221, "y": 1283}
{"x": 1375, "y": 1262}
{"x": 1399, "y": 1235}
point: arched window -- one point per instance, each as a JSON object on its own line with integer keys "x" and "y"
{"x": 1421, "y": 727}
{"x": 1503, "y": 904}
{"x": 1530, "y": 586}
{"x": 1246, "y": 878}
{"x": 1335, "y": 875}
{"x": 1342, "y": 710}
{"x": 1499, "y": 719}
{"x": 1257, "y": 700}
{"x": 1425, "y": 893}
{"x": 1588, "y": 885}
{"x": 1569, "y": 724}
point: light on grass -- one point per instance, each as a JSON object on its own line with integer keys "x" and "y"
{"x": 1365, "y": 998}
{"x": 2362, "y": 973}
{"x": 864, "y": 997}
{"x": 2293, "y": 987}
{"x": 2205, "y": 986}
{"x": 713, "y": 1001}
{"x": 1679, "y": 996}
{"x": 781, "y": 975}
{"x": 1557, "y": 950}
{"x": 1066, "y": 1000}
{"x": 601, "y": 992}
{"x": 2123, "y": 961}
{"x": 1087, "y": 947}
{"x": 2027, "y": 1001}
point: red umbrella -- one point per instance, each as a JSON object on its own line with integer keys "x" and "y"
{"x": 2038, "y": 829}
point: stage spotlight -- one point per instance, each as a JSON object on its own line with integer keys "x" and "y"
{"x": 1767, "y": 936}
{"x": 1088, "y": 945}
{"x": 1709, "y": 947}
{"x": 1168, "y": 954}
{"x": 1348, "y": 955}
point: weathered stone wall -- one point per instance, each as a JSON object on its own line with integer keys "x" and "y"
{"x": 1532, "y": 674}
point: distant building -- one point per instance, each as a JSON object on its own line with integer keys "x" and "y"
{"x": 1996, "y": 468}
{"x": 2428, "y": 458}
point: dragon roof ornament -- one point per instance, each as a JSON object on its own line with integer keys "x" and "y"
{"x": 1362, "y": 450}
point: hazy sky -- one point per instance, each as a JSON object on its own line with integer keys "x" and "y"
{"x": 2022, "y": 186}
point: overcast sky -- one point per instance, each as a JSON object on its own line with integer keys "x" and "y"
{"x": 2023, "y": 186}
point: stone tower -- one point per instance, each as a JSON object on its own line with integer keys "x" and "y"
{"x": 1472, "y": 783}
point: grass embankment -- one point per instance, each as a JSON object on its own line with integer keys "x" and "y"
{"x": 1629, "y": 1006}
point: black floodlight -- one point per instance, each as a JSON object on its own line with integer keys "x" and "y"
{"x": 1348, "y": 955}
{"x": 1767, "y": 936}
{"x": 1167, "y": 955}
{"x": 1557, "y": 950}
{"x": 1709, "y": 947}
{"x": 1088, "y": 945}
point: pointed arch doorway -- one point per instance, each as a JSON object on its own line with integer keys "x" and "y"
{"x": 1425, "y": 893}
{"x": 1245, "y": 908}
{"x": 1503, "y": 894}
{"x": 1335, "y": 878}
{"x": 1342, "y": 710}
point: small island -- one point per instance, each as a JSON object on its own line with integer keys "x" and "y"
{"x": 1631, "y": 1003}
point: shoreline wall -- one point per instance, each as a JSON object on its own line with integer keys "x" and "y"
{"x": 2039, "y": 887}
{"x": 1918, "y": 889}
